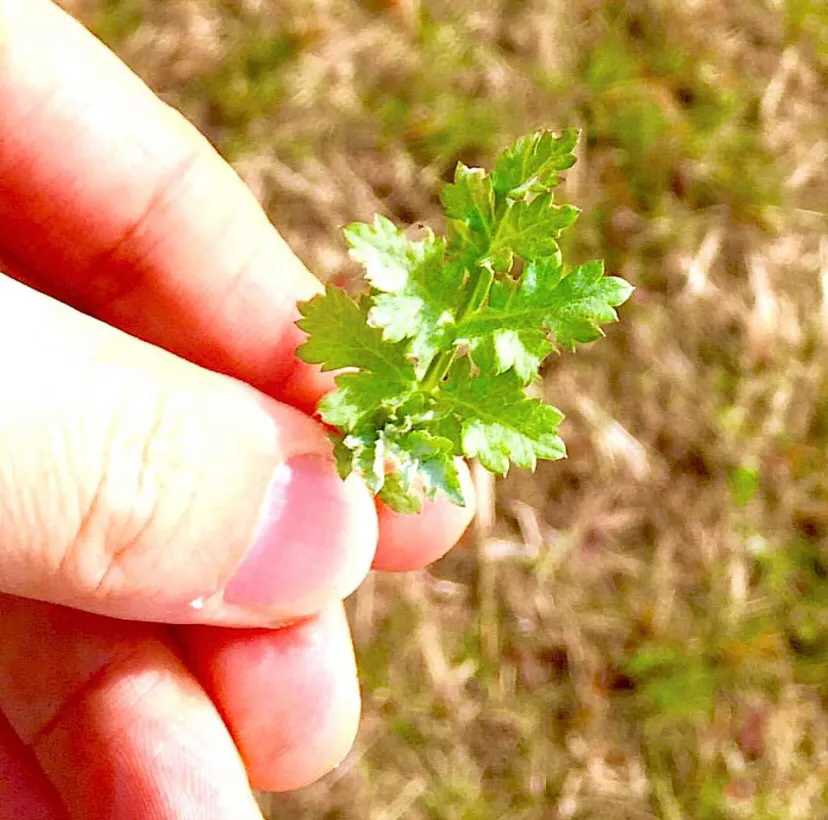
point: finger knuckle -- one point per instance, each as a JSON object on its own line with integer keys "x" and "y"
{"x": 142, "y": 499}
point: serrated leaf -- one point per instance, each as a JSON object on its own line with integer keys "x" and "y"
{"x": 423, "y": 310}
{"x": 359, "y": 396}
{"x": 362, "y": 453}
{"x": 396, "y": 314}
{"x": 343, "y": 456}
{"x": 452, "y": 330}
{"x": 499, "y": 423}
{"x": 530, "y": 228}
{"x": 449, "y": 428}
{"x": 385, "y": 252}
{"x": 571, "y": 308}
{"x": 339, "y": 336}
{"x": 423, "y": 465}
{"x": 533, "y": 163}
{"x": 587, "y": 300}
{"x": 441, "y": 473}
{"x": 470, "y": 198}
{"x": 430, "y": 457}
{"x": 522, "y": 351}
{"x": 398, "y": 495}
{"x": 369, "y": 458}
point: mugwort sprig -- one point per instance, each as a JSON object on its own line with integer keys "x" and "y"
{"x": 438, "y": 355}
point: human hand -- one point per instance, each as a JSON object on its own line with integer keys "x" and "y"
{"x": 148, "y": 407}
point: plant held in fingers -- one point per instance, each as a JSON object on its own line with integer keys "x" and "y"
{"x": 440, "y": 351}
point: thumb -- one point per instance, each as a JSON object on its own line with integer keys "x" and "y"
{"x": 137, "y": 485}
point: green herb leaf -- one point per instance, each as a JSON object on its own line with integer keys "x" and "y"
{"x": 520, "y": 350}
{"x": 470, "y": 198}
{"x": 339, "y": 336}
{"x": 498, "y": 422}
{"x": 571, "y": 308}
{"x": 399, "y": 495}
{"x": 429, "y": 459}
{"x": 424, "y": 307}
{"x": 531, "y": 229}
{"x": 439, "y": 353}
{"x": 386, "y": 253}
{"x": 533, "y": 162}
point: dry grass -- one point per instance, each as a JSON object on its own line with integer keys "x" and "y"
{"x": 641, "y": 631}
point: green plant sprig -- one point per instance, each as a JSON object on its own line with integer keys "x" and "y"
{"x": 440, "y": 351}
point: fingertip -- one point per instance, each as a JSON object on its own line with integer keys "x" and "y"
{"x": 320, "y": 722}
{"x": 316, "y": 540}
{"x": 290, "y": 696}
{"x": 408, "y": 542}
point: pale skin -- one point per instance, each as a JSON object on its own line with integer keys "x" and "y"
{"x": 150, "y": 392}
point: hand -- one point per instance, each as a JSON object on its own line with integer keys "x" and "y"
{"x": 157, "y": 483}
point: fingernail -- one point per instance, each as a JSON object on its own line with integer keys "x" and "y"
{"x": 298, "y": 543}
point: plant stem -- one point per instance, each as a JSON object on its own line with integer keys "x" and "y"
{"x": 437, "y": 370}
{"x": 480, "y": 282}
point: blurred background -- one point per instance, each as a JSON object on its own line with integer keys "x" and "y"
{"x": 640, "y": 631}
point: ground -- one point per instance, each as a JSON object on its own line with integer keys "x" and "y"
{"x": 640, "y": 631}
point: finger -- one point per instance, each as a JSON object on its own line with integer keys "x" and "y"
{"x": 412, "y": 541}
{"x": 116, "y": 721}
{"x": 290, "y": 697}
{"x": 10, "y": 266}
{"x": 121, "y": 208}
{"x": 137, "y": 485}
{"x": 161, "y": 238}
{"x": 25, "y": 793}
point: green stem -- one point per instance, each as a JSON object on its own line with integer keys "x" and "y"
{"x": 437, "y": 370}
{"x": 476, "y": 295}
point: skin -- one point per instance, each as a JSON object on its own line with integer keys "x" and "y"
{"x": 130, "y": 247}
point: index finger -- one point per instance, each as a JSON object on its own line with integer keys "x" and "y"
{"x": 121, "y": 208}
